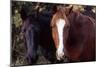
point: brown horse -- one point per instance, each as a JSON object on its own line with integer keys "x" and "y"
{"x": 73, "y": 34}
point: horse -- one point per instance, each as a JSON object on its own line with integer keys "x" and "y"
{"x": 30, "y": 29}
{"x": 73, "y": 34}
{"x": 38, "y": 38}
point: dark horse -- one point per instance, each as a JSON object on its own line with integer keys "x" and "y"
{"x": 36, "y": 28}
{"x": 73, "y": 34}
{"x": 30, "y": 29}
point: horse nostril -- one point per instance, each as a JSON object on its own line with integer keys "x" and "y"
{"x": 63, "y": 57}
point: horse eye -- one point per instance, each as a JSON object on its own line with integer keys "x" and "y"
{"x": 53, "y": 26}
{"x": 67, "y": 27}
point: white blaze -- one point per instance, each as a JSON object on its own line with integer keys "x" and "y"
{"x": 60, "y": 25}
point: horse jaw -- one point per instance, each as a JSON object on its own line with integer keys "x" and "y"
{"x": 60, "y": 26}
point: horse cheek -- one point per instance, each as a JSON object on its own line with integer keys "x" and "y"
{"x": 55, "y": 38}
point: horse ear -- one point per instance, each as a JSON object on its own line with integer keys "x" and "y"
{"x": 54, "y": 10}
{"x": 69, "y": 9}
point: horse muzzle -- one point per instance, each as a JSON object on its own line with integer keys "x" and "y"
{"x": 60, "y": 55}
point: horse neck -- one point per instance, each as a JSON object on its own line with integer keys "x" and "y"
{"x": 73, "y": 16}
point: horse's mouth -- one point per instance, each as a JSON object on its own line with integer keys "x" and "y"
{"x": 62, "y": 59}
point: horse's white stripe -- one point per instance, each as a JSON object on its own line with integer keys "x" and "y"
{"x": 60, "y": 25}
